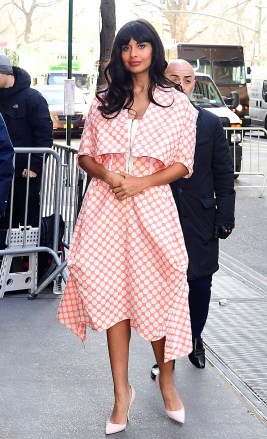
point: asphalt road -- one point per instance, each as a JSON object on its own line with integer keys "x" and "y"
{"x": 54, "y": 388}
{"x": 248, "y": 242}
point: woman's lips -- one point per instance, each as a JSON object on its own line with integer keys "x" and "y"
{"x": 134, "y": 63}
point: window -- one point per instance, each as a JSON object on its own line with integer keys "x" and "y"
{"x": 205, "y": 93}
{"x": 229, "y": 72}
{"x": 201, "y": 65}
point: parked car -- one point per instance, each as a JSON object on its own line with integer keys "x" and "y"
{"x": 258, "y": 97}
{"x": 207, "y": 95}
{"x": 54, "y": 95}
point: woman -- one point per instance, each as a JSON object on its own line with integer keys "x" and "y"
{"x": 128, "y": 260}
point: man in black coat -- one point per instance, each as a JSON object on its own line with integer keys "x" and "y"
{"x": 27, "y": 117}
{"x": 205, "y": 204}
{"x": 6, "y": 165}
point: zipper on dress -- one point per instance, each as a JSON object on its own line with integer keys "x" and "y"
{"x": 129, "y": 151}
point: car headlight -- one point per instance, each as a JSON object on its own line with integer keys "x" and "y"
{"x": 239, "y": 107}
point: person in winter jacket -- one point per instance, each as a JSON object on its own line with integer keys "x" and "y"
{"x": 206, "y": 204}
{"x": 6, "y": 165}
{"x": 27, "y": 117}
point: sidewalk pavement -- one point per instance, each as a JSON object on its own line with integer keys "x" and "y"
{"x": 53, "y": 388}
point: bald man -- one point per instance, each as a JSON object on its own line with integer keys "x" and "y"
{"x": 205, "y": 204}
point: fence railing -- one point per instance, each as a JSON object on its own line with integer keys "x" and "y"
{"x": 254, "y": 152}
{"x": 61, "y": 188}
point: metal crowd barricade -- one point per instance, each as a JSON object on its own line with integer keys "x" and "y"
{"x": 24, "y": 240}
{"x": 254, "y": 161}
{"x": 73, "y": 185}
{"x": 72, "y": 188}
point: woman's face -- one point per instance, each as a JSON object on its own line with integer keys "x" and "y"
{"x": 136, "y": 57}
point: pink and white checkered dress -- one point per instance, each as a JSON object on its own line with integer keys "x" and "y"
{"x": 128, "y": 258}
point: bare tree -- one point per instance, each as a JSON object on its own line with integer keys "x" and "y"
{"x": 107, "y": 34}
{"x": 179, "y": 15}
{"x": 201, "y": 21}
{"x": 27, "y": 12}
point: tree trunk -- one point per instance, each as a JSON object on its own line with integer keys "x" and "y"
{"x": 107, "y": 34}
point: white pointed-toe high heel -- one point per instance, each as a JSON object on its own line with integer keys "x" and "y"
{"x": 116, "y": 428}
{"x": 176, "y": 415}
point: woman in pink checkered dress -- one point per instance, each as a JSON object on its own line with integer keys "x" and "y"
{"x": 128, "y": 260}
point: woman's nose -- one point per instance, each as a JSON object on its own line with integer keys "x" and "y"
{"x": 133, "y": 52}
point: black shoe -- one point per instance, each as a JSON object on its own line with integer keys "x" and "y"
{"x": 197, "y": 356}
{"x": 155, "y": 370}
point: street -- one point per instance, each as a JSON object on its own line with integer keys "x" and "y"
{"x": 53, "y": 387}
{"x": 247, "y": 243}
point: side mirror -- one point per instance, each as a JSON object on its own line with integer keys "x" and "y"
{"x": 233, "y": 101}
{"x": 265, "y": 96}
{"x": 236, "y": 99}
{"x": 248, "y": 70}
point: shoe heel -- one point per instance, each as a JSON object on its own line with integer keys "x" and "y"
{"x": 132, "y": 400}
{"x": 116, "y": 428}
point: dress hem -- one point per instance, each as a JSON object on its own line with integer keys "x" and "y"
{"x": 82, "y": 335}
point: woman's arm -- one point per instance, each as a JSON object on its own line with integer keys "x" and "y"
{"x": 131, "y": 185}
{"x": 97, "y": 170}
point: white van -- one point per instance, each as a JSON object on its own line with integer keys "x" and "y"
{"x": 207, "y": 95}
{"x": 258, "y": 97}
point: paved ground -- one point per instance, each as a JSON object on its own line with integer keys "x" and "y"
{"x": 53, "y": 388}
{"x": 236, "y": 332}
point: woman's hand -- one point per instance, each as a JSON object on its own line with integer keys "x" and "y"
{"x": 128, "y": 186}
{"x": 113, "y": 179}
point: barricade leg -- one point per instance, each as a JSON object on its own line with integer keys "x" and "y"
{"x": 20, "y": 280}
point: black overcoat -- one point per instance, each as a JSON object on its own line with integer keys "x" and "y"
{"x": 6, "y": 165}
{"x": 208, "y": 197}
{"x": 26, "y": 114}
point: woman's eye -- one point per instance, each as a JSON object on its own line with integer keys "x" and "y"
{"x": 141, "y": 46}
{"x": 125, "y": 48}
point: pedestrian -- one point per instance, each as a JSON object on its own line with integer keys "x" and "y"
{"x": 27, "y": 117}
{"x": 127, "y": 260}
{"x": 206, "y": 204}
{"x": 6, "y": 165}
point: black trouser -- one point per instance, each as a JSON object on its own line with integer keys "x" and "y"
{"x": 199, "y": 299}
{"x": 20, "y": 184}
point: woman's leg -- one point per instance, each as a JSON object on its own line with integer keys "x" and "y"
{"x": 118, "y": 337}
{"x": 170, "y": 397}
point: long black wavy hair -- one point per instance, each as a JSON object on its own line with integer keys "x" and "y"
{"x": 119, "y": 92}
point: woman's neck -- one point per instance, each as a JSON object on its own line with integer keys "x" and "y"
{"x": 140, "y": 84}
{"x": 141, "y": 100}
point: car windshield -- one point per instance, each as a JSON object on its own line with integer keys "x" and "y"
{"x": 205, "y": 93}
{"x": 56, "y": 96}
{"x": 82, "y": 80}
{"x": 201, "y": 65}
{"x": 229, "y": 72}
